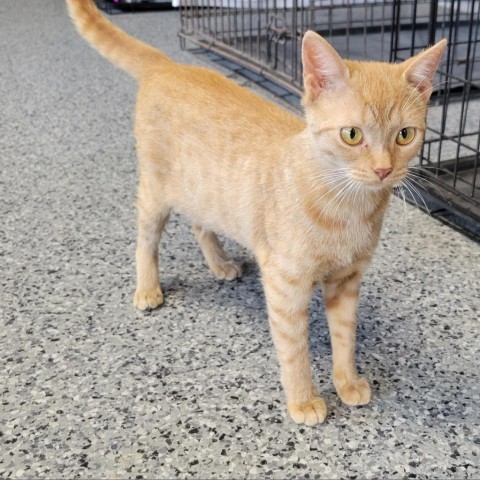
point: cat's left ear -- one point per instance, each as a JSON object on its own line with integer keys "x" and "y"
{"x": 420, "y": 69}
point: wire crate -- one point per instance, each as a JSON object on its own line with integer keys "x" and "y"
{"x": 265, "y": 36}
{"x": 450, "y": 157}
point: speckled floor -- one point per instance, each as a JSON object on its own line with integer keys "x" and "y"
{"x": 92, "y": 388}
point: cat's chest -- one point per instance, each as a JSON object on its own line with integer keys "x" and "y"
{"x": 346, "y": 245}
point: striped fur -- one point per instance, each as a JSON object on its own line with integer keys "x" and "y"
{"x": 308, "y": 205}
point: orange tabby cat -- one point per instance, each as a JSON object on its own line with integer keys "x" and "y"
{"x": 307, "y": 198}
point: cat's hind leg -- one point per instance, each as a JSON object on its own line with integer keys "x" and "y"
{"x": 218, "y": 261}
{"x": 152, "y": 217}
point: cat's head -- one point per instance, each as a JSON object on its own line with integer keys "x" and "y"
{"x": 366, "y": 119}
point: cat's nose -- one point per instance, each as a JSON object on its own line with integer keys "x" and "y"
{"x": 382, "y": 172}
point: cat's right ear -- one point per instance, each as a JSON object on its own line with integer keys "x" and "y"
{"x": 323, "y": 68}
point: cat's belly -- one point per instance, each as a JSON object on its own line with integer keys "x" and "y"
{"x": 216, "y": 200}
{"x": 217, "y": 217}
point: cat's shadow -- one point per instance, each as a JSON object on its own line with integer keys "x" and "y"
{"x": 188, "y": 288}
{"x": 392, "y": 384}
{"x": 245, "y": 299}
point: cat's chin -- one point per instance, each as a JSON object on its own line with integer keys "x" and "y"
{"x": 377, "y": 186}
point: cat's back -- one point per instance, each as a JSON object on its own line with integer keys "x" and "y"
{"x": 203, "y": 99}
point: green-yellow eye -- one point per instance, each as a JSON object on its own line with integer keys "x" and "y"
{"x": 351, "y": 135}
{"x": 405, "y": 136}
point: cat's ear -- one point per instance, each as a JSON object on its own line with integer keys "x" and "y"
{"x": 323, "y": 69}
{"x": 420, "y": 69}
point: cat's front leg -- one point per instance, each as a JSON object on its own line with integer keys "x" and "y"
{"x": 341, "y": 292}
{"x": 288, "y": 297}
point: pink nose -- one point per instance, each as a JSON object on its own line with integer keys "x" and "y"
{"x": 383, "y": 172}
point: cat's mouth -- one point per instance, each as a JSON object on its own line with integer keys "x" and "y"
{"x": 375, "y": 184}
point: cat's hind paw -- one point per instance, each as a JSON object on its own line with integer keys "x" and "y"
{"x": 356, "y": 392}
{"x": 310, "y": 413}
{"x": 148, "y": 299}
{"x": 229, "y": 270}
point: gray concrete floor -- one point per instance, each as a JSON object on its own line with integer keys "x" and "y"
{"x": 92, "y": 388}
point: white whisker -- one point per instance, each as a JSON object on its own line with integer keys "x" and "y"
{"x": 419, "y": 177}
{"x": 411, "y": 193}
{"x": 401, "y": 189}
{"x": 342, "y": 198}
{"x": 419, "y": 194}
{"x": 336, "y": 196}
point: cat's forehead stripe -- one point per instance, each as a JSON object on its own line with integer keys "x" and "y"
{"x": 382, "y": 113}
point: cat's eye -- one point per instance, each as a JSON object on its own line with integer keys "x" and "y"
{"x": 405, "y": 136}
{"x": 351, "y": 135}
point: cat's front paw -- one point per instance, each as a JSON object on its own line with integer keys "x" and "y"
{"x": 145, "y": 299}
{"x": 356, "y": 392}
{"x": 310, "y": 413}
{"x": 229, "y": 270}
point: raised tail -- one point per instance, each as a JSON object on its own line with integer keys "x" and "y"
{"x": 113, "y": 43}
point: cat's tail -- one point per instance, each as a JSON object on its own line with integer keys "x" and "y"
{"x": 113, "y": 43}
